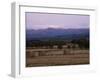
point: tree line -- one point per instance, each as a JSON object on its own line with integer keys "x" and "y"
{"x": 82, "y": 43}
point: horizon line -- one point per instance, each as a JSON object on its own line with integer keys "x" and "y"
{"x": 54, "y": 28}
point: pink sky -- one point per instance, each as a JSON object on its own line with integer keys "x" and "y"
{"x": 45, "y": 20}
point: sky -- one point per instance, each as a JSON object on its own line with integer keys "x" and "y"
{"x": 64, "y": 21}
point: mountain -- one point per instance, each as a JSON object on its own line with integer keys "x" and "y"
{"x": 52, "y": 33}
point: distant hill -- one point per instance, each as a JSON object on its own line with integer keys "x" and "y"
{"x": 52, "y": 33}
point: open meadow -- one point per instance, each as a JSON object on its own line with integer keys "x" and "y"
{"x": 53, "y": 57}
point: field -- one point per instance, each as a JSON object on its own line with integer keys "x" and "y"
{"x": 54, "y": 57}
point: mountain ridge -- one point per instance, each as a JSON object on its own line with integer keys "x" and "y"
{"x": 56, "y": 33}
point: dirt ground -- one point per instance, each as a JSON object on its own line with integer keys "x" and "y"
{"x": 74, "y": 57}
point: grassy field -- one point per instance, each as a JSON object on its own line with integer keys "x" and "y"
{"x": 54, "y": 57}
